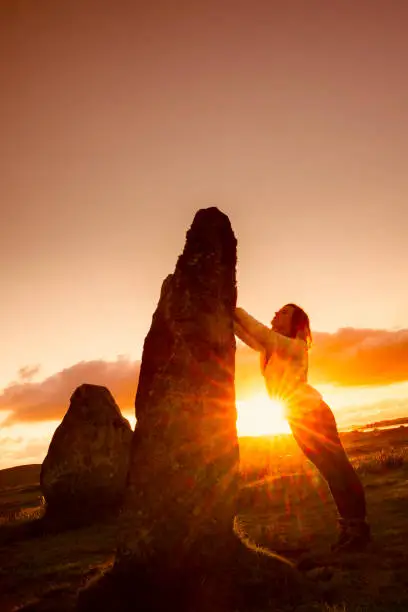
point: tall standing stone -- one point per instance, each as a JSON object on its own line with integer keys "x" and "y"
{"x": 182, "y": 481}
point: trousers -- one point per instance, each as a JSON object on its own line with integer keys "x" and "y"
{"x": 315, "y": 431}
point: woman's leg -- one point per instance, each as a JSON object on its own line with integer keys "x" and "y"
{"x": 315, "y": 431}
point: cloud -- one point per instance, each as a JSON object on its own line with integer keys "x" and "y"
{"x": 28, "y": 372}
{"x": 348, "y": 357}
{"x": 18, "y": 450}
{"x": 359, "y": 357}
{"x": 49, "y": 399}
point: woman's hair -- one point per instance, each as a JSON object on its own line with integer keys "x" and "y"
{"x": 300, "y": 324}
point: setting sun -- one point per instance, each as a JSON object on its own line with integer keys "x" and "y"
{"x": 261, "y": 416}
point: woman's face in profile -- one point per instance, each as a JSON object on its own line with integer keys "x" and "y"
{"x": 282, "y": 321}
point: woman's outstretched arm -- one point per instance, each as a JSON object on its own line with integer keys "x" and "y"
{"x": 257, "y": 331}
{"x": 247, "y": 338}
{"x": 266, "y": 337}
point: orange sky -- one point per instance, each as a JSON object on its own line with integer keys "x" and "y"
{"x": 120, "y": 119}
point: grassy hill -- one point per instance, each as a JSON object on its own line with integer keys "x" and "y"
{"x": 19, "y": 490}
{"x": 284, "y": 505}
{"x": 21, "y": 475}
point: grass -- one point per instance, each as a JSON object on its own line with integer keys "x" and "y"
{"x": 383, "y": 461}
{"x": 284, "y": 506}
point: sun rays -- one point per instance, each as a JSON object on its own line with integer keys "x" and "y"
{"x": 261, "y": 416}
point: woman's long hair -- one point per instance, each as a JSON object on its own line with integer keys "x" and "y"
{"x": 300, "y": 326}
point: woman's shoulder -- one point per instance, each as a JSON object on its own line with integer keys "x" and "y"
{"x": 292, "y": 345}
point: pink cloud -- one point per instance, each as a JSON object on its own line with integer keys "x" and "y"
{"x": 49, "y": 399}
{"x": 360, "y": 357}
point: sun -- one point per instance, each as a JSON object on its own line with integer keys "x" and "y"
{"x": 261, "y": 416}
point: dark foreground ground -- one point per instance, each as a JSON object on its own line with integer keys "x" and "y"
{"x": 284, "y": 506}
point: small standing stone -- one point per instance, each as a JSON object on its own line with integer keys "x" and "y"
{"x": 84, "y": 473}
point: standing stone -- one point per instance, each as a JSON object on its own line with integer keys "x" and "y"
{"x": 84, "y": 473}
{"x": 184, "y": 459}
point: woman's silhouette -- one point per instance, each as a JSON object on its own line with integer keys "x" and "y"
{"x": 284, "y": 365}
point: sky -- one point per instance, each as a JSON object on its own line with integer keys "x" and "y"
{"x": 120, "y": 119}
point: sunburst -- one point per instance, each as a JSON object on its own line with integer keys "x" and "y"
{"x": 261, "y": 416}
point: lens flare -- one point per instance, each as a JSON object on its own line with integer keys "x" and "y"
{"x": 261, "y": 416}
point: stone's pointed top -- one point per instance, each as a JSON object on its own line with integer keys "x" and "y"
{"x": 211, "y": 215}
{"x": 210, "y": 251}
{"x": 212, "y": 211}
{"x": 211, "y": 229}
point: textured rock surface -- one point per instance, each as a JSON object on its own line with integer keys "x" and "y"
{"x": 84, "y": 473}
{"x": 184, "y": 459}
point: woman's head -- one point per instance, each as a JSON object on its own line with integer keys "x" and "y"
{"x": 292, "y": 321}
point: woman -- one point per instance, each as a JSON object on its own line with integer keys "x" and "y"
{"x": 284, "y": 365}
